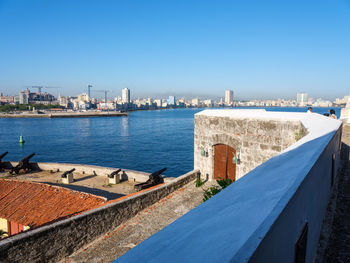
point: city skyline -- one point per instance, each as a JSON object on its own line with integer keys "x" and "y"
{"x": 165, "y": 95}
{"x": 259, "y": 50}
{"x": 125, "y": 102}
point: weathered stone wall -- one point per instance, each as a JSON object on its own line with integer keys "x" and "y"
{"x": 53, "y": 242}
{"x": 260, "y": 217}
{"x": 255, "y": 140}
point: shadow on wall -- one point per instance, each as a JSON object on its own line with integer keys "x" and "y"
{"x": 345, "y": 151}
{"x": 268, "y": 207}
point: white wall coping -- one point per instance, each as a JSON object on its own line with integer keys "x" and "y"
{"x": 230, "y": 226}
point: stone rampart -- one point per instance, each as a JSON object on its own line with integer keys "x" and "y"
{"x": 255, "y": 139}
{"x": 93, "y": 169}
{"x": 53, "y": 242}
{"x": 272, "y": 214}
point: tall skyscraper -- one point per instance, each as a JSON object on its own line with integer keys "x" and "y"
{"x": 171, "y": 100}
{"x": 228, "y": 97}
{"x": 24, "y": 97}
{"x": 302, "y": 98}
{"x": 126, "y": 95}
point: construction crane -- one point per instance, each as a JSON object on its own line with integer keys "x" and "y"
{"x": 40, "y": 88}
{"x": 105, "y": 91}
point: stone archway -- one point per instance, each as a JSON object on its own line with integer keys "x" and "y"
{"x": 224, "y": 167}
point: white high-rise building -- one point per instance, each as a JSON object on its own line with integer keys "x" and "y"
{"x": 126, "y": 95}
{"x": 302, "y": 98}
{"x": 24, "y": 97}
{"x": 228, "y": 97}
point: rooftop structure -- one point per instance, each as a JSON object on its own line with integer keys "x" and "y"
{"x": 230, "y": 143}
{"x": 26, "y": 204}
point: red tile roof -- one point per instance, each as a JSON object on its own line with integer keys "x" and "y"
{"x": 33, "y": 204}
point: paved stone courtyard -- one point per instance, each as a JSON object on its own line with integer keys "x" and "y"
{"x": 338, "y": 249}
{"x": 91, "y": 184}
{"x": 146, "y": 223}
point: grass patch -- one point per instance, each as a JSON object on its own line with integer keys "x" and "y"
{"x": 213, "y": 190}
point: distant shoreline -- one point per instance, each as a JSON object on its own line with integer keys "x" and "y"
{"x": 120, "y": 114}
{"x": 64, "y": 114}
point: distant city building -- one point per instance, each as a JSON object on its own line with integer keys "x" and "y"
{"x": 343, "y": 100}
{"x": 125, "y": 95}
{"x": 84, "y": 97}
{"x": 6, "y": 99}
{"x": 182, "y": 100}
{"x": 164, "y": 103}
{"x": 63, "y": 101}
{"x": 195, "y": 102}
{"x": 106, "y": 106}
{"x": 118, "y": 100}
{"x": 158, "y": 103}
{"x": 208, "y": 103}
{"x": 150, "y": 101}
{"x": 302, "y": 98}
{"x": 228, "y": 97}
{"x": 171, "y": 100}
{"x": 24, "y": 97}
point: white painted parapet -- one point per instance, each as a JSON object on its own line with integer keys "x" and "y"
{"x": 260, "y": 217}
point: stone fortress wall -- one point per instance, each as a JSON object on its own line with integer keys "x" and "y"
{"x": 255, "y": 139}
{"x": 272, "y": 214}
{"x": 54, "y": 241}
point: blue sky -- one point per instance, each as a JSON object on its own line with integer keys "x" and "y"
{"x": 259, "y": 49}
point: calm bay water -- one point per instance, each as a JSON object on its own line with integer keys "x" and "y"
{"x": 145, "y": 140}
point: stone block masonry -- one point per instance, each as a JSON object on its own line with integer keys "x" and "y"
{"x": 255, "y": 139}
{"x": 55, "y": 241}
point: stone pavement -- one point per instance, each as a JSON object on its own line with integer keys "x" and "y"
{"x": 146, "y": 223}
{"x": 338, "y": 249}
{"x": 338, "y": 246}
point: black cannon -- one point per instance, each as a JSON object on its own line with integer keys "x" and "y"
{"x": 23, "y": 164}
{"x": 2, "y": 165}
{"x": 65, "y": 174}
{"x": 154, "y": 179}
{"x": 114, "y": 173}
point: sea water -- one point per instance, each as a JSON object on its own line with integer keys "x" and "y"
{"x": 145, "y": 140}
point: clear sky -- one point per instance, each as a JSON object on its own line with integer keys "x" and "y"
{"x": 259, "y": 49}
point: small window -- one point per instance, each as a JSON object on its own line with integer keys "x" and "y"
{"x": 300, "y": 246}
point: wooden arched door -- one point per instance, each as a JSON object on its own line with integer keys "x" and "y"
{"x": 224, "y": 167}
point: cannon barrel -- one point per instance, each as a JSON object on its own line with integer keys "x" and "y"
{"x": 154, "y": 179}
{"x": 157, "y": 173}
{"x": 27, "y": 158}
{"x": 64, "y": 175}
{"x": 3, "y": 155}
{"x": 114, "y": 173}
{"x": 23, "y": 164}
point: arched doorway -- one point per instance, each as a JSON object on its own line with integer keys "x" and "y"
{"x": 224, "y": 167}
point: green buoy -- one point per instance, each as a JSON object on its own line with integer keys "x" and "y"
{"x": 21, "y": 140}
